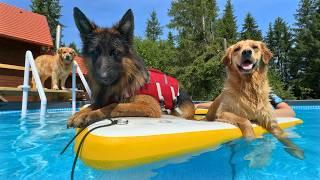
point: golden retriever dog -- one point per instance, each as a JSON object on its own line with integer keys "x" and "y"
{"x": 245, "y": 96}
{"x": 58, "y": 67}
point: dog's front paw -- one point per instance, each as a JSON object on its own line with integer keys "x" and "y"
{"x": 84, "y": 119}
{"x": 78, "y": 120}
{"x": 73, "y": 119}
{"x": 64, "y": 88}
{"x": 55, "y": 87}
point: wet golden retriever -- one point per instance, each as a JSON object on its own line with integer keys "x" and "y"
{"x": 58, "y": 67}
{"x": 245, "y": 96}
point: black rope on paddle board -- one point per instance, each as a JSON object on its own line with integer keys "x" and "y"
{"x": 74, "y": 137}
{"x": 113, "y": 122}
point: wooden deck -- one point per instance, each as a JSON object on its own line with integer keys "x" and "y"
{"x": 50, "y": 93}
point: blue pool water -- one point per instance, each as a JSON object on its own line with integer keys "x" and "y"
{"x": 29, "y": 149}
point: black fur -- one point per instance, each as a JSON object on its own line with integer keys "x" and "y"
{"x": 104, "y": 50}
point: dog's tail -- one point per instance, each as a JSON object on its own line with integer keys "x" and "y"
{"x": 185, "y": 107}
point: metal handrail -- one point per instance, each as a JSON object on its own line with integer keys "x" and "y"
{"x": 84, "y": 82}
{"x": 29, "y": 62}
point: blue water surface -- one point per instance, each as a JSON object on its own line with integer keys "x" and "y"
{"x": 30, "y": 147}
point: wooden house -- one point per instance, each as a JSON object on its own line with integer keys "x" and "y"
{"x": 22, "y": 30}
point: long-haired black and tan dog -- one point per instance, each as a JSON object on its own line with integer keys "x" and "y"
{"x": 116, "y": 73}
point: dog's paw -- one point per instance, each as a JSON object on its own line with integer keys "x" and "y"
{"x": 248, "y": 135}
{"x": 64, "y": 88}
{"x": 78, "y": 120}
{"x": 295, "y": 151}
{"x": 84, "y": 119}
{"x": 55, "y": 87}
{"x": 72, "y": 119}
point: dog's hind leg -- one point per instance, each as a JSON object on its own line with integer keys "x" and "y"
{"x": 277, "y": 132}
{"x": 212, "y": 111}
{"x": 185, "y": 107}
{"x": 42, "y": 80}
{"x": 137, "y": 106}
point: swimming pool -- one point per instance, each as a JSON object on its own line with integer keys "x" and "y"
{"x": 30, "y": 147}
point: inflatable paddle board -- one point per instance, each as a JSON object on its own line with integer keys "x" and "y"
{"x": 142, "y": 140}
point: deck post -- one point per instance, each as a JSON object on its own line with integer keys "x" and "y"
{"x": 74, "y": 67}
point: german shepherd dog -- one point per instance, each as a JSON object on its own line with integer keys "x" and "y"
{"x": 116, "y": 73}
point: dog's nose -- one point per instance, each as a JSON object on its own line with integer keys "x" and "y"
{"x": 247, "y": 53}
{"x": 68, "y": 57}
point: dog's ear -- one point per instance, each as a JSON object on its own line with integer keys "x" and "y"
{"x": 226, "y": 60}
{"x": 126, "y": 26}
{"x": 266, "y": 53}
{"x": 59, "y": 51}
{"x": 74, "y": 53}
{"x": 82, "y": 22}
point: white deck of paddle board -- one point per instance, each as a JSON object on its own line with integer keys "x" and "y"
{"x": 143, "y": 126}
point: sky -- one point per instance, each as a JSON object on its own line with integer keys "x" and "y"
{"x": 108, "y": 12}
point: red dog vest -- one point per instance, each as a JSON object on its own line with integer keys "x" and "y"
{"x": 162, "y": 87}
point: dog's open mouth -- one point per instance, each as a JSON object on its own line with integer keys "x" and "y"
{"x": 67, "y": 62}
{"x": 246, "y": 66}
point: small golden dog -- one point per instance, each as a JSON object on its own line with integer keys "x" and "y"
{"x": 245, "y": 96}
{"x": 57, "y": 67}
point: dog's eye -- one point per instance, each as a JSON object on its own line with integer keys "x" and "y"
{"x": 254, "y": 47}
{"x": 237, "y": 49}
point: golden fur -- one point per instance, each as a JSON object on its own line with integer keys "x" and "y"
{"x": 58, "y": 67}
{"x": 245, "y": 96}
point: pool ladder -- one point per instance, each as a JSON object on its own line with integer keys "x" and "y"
{"x": 29, "y": 62}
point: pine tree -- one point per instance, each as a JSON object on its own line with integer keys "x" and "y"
{"x": 227, "y": 27}
{"x": 194, "y": 20}
{"x": 279, "y": 41}
{"x": 281, "y": 47}
{"x": 302, "y": 54}
{"x": 73, "y": 45}
{"x": 170, "y": 39}
{"x": 154, "y": 30}
{"x": 51, "y": 9}
{"x": 250, "y": 29}
{"x": 197, "y": 63}
{"x": 304, "y": 14}
{"x": 269, "y": 38}
{"x": 312, "y": 46}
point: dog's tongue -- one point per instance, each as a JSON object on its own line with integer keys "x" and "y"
{"x": 247, "y": 65}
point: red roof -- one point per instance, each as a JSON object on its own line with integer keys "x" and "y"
{"x": 19, "y": 24}
{"x": 81, "y": 64}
